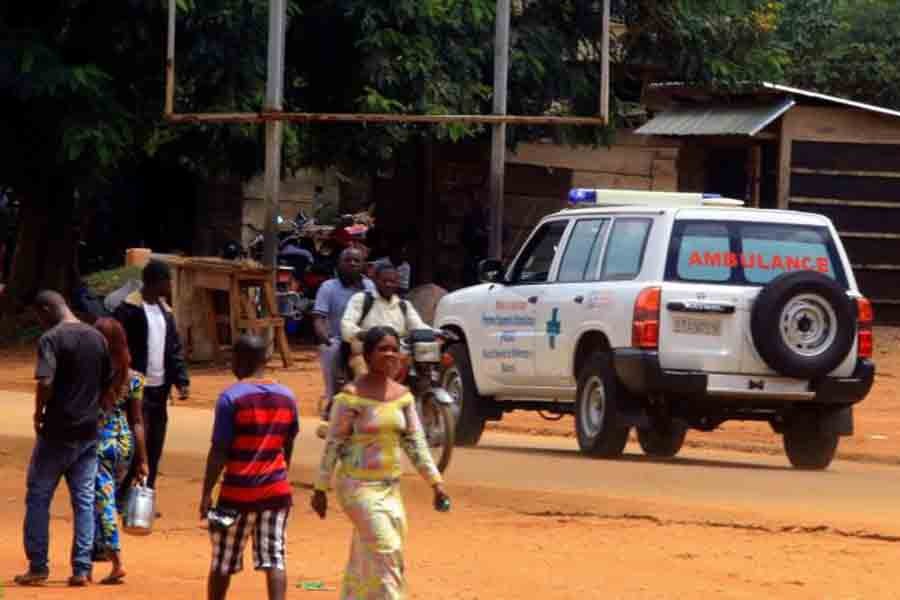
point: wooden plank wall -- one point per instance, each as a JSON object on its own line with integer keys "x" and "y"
{"x": 634, "y": 162}
{"x": 845, "y": 164}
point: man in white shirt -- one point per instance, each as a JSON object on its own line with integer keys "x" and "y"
{"x": 384, "y": 308}
{"x": 397, "y": 259}
{"x": 156, "y": 353}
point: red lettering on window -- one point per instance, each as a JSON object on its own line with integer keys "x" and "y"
{"x": 748, "y": 261}
{"x": 822, "y": 264}
{"x": 732, "y": 260}
{"x": 712, "y": 259}
{"x": 761, "y": 262}
{"x": 777, "y": 263}
{"x": 793, "y": 263}
{"x": 807, "y": 263}
{"x": 695, "y": 259}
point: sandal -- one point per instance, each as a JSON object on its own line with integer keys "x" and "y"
{"x": 31, "y": 578}
{"x": 79, "y": 580}
{"x": 114, "y": 579}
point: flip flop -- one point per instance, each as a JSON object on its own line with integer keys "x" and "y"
{"x": 30, "y": 578}
{"x": 113, "y": 580}
{"x": 79, "y": 580}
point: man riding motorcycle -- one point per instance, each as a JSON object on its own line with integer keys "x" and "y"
{"x": 384, "y": 308}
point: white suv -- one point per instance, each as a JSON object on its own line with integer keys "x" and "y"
{"x": 666, "y": 312}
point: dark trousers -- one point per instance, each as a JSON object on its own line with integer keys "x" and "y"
{"x": 156, "y": 420}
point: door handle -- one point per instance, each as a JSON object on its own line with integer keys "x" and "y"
{"x": 579, "y": 299}
{"x": 533, "y": 300}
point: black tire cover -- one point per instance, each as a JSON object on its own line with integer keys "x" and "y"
{"x": 765, "y": 324}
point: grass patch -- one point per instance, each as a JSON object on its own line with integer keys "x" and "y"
{"x": 103, "y": 283}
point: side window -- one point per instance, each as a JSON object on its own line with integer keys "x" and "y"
{"x": 534, "y": 264}
{"x": 625, "y": 249}
{"x": 582, "y": 256}
{"x": 703, "y": 240}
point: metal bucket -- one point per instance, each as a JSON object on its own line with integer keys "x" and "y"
{"x": 140, "y": 510}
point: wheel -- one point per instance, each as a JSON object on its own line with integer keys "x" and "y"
{"x": 803, "y": 324}
{"x": 662, "y": 441}
{"x": 808, "y": 448}
{"x": 596, "y": 410}
{"x": 440, "y": 429}
{"x": 460, "y": 384}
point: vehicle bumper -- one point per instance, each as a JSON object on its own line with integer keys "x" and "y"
{"x": 641, "y": 374}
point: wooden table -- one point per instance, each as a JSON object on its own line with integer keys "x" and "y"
{"x": 251, "y": 307}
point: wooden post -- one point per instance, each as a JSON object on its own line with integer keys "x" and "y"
{"x": 755, "y": 172}
{"x": 429, "y": 241}
{"x": 498, "y": 137}
{"x": 784, "y": 162}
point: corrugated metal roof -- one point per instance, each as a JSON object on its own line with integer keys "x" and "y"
{"x": 716, "y": 120}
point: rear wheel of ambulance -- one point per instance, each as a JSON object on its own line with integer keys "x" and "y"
{"x": 596, "y": 409}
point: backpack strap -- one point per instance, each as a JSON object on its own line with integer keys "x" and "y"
{"x": 368, "y": 303}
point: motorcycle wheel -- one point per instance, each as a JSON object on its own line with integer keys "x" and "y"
{"x": 439, "y": 428}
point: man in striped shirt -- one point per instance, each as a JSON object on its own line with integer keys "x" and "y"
{"x": 255, "y": 426}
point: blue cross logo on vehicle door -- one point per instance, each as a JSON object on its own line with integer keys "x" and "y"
{"x": 554, "y": 328}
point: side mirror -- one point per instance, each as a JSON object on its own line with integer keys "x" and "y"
{"x": 490, "y": 271}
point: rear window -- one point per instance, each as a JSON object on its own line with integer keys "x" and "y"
{"x": 741, "y": 253}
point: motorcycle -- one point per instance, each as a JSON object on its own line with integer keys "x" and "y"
{"x": 433, "y": 403}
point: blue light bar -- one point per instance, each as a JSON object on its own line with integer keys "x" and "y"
{"x": 582, "y": 196}
{"x": 712, "y": 195}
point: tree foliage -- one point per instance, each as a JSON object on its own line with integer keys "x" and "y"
{"x": 843, "y": 47}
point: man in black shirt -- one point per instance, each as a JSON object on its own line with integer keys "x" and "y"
{"x": 73, "y": 370}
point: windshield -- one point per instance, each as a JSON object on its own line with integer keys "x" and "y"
{"x": 744, "y": 253}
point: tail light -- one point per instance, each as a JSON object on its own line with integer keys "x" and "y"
{"x": 447, "y": 360}
{"x": 865, "y": 317}
{"x": 645, "y": 325}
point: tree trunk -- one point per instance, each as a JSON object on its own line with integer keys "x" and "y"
{"x": 46, "y": 255}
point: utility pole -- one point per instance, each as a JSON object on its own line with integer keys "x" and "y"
{"x": 604, "y": 63}
{"x": 498, "y": 138}
{"x": 274, "y": 129}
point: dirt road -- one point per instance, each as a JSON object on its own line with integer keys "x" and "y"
{"x": 531, "y": 519}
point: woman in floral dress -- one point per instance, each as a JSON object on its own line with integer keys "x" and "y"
{"x": 372, "y": 423}
{"x": 121, "y": 437}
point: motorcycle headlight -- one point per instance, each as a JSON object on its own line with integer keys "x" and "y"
{"x": 427, "y": 352}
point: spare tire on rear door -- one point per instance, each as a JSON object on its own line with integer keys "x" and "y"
{"x": 803, "y": 324}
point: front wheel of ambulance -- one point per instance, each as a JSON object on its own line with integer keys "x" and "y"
{"x": 662, "y": 440}
{"x": 808, "y": 448}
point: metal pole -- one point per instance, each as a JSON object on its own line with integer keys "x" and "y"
{"x": 604, "y": 63}
{"x": 498, "y": 138}
{"x": 274, "y": 129}
{"x": 170, "y": 61}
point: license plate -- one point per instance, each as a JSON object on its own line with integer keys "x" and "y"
{"x": 698, "y": 326}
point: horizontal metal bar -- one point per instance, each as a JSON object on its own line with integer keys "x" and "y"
{"x": 263, "y": 117}
{"x": 877, "y": 267}
{"x": 869, "y": 236}
{"x": 834, "y": 202}
{"x": 837, "y": 172}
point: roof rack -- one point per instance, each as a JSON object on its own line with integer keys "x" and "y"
{"x": 585, "y": 197}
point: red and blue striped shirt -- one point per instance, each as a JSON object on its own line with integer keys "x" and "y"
{"x": 254, "y": 420}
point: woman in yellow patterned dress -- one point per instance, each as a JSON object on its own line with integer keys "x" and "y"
{"x": 373, "y": 422}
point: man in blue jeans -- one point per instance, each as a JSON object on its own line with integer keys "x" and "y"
{"x": 73, "y": 370}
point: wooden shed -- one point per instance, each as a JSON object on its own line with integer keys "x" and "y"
{"x": 781, "y": 147}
